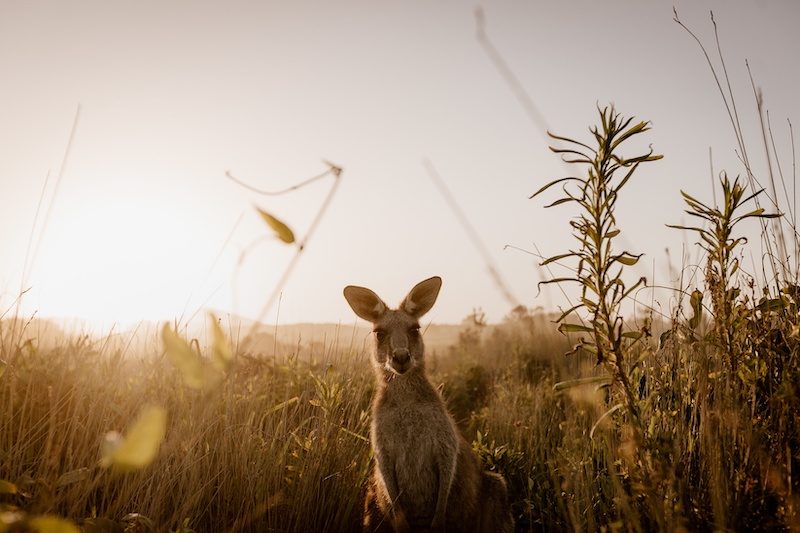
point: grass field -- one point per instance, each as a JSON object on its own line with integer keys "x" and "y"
{"x": 280, "y": 443}
{"x": 685, "y": 422}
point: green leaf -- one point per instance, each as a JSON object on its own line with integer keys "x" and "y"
{"x": 574, "y": 328}
{"x": 281, "y": 230}
{"x": 568, "y": 312}
{"x": 627, "y": 259}
{"x": 696, "y": 301}
{"x": 662, "y": 340}
{"x": 759, "y": 213}
{"x": 557, "y": 258}
{"x": 772, "y": 305}
{"x": 690, "y": 228}
{"x": 635, "y": 286}
{"x": 556, "y": 182}
{"x": 139, "y": 446}
{"x": 182, "y": 355}
{"x": 567, "y": 139}
{"x": 559, "y": 202}
{"x": 557, "y": 280}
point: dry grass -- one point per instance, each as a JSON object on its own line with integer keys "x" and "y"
{"x": 266, "y": 449}
{"x": 280, "y": 445}
{"x": 683, "y": 423}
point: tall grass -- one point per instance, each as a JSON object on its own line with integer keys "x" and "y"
{"x": 279, "y": 443}
{"x": 679, "y": 423}
{"x": 276, "y": 446}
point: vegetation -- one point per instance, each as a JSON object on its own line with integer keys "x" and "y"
{"x": 685, "y": 422}
{"x": 267, "y": 443}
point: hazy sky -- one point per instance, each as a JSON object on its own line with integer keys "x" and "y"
{"x": 172, "y": 94}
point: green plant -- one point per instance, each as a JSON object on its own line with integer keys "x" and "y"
{"x": 599, "y": 270}
{"x": 722, "y": 264}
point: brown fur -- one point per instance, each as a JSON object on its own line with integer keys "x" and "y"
{"x": 426, "y": 476}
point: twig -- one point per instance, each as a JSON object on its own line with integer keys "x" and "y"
{"x": 469, "y": 229}
{"x": 336, "y": 172}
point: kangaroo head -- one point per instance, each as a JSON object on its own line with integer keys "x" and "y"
{"x": 398, "y": 343}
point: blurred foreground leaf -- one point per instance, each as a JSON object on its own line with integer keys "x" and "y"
{"x": 51, "y": 524}
{"x": 281, "y": 230}
{"x": 139, "y": 447}
{"x": 185, "y": 358}
{"x": 223, "y": 356}
{"x": 7, "y": 487}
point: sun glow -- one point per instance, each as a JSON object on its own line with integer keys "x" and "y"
{"x": 120, "y": 259}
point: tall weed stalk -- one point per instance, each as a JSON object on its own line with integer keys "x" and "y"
{"x": 600, "y": 268}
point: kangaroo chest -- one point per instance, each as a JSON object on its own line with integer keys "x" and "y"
{"x": 417, "y": 427}
{"x": 413, "y": 440}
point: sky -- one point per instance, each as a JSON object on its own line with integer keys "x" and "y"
{"x": 119, "y": 122}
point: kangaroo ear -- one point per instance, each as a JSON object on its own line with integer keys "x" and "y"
{"x": 365, "y": 303}
{"x": 422, "y": 297}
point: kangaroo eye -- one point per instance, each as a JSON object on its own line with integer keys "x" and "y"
{"x": 380, "y": 334}
{"x": 413, "y": 332}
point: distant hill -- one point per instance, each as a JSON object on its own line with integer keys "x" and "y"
{"x": 338, "y": 336}
{"x": 143, "y": 339}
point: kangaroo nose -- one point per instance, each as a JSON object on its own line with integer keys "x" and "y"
{"x": 401, "y": 356}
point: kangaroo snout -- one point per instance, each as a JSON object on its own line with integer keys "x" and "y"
{"x": 401, "y": 360}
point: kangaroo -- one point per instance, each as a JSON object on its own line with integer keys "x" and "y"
{"x": 426, "y": 476}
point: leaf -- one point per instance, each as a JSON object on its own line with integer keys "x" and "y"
{"x": 556, "y": 258}
{"x": 73, "y": 476}
{"x": 603, "y": 417}
{"x": 221, "y": 348}
{"x": 139, "y": 446}
{"x": 696, "y": 301}
{"x": 184, "y": 357}
{"x": 569, "y": 311}
{"x": 559, "y": 202}
{"x": 574, "y": 328}
{"x": 662, "y": 340}
{"x": 691, "y": 228}
{"x": 639, "y": 283}
{"x": 281, "y": 230}
{"x": 52, "y": 524}
{"x": 6, "y": 487}
{"x": 557, "y": 280}
{"x": 772, "y": 305}
{"x": 571, "y": 383}
{"x": 555, "y": 182}
{"x": 759, "y": 213}
{"x": 281, "y": 405}
{"x": 627, "y": 259}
